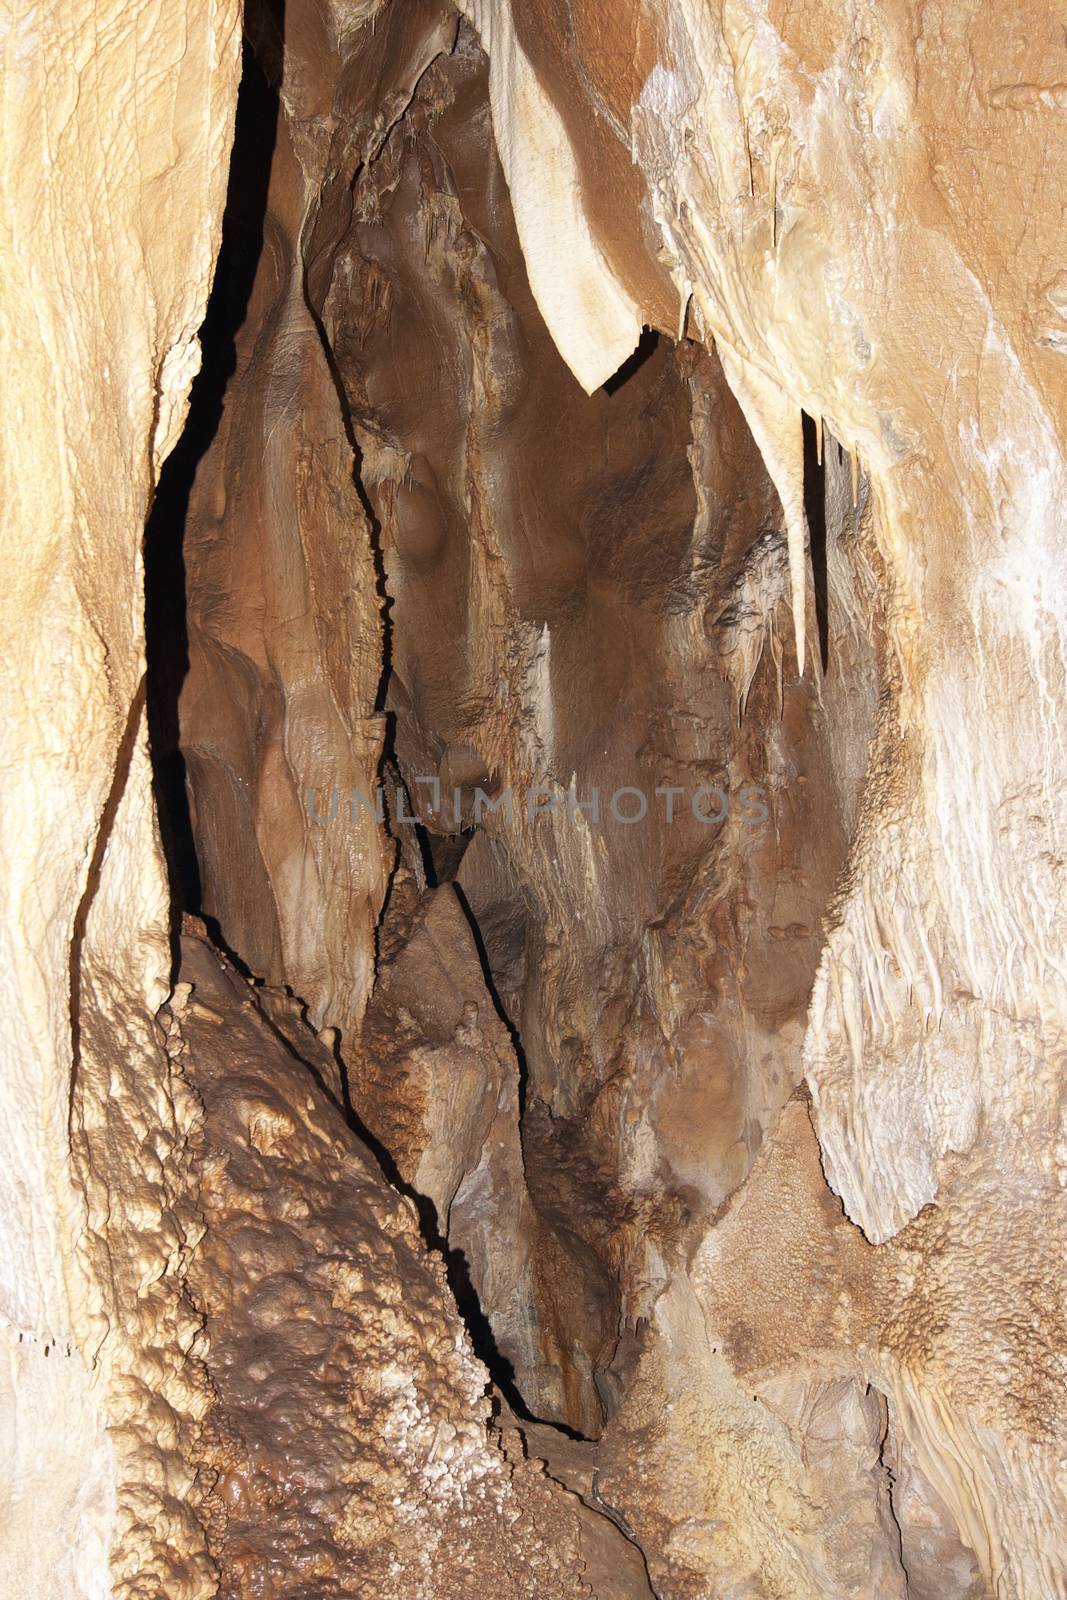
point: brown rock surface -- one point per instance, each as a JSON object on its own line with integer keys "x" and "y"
{"x": 629, "y": 399}
{"x": 612, "y": 566}
{"x": 585, "y": 593}
{"x": 350, "y": 1447}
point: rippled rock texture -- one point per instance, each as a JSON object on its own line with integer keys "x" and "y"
{"x": 115, "y": 138}
{"x": 605, "y": 690}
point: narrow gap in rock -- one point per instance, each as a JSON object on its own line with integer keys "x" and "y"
{"x": 815, "y": 510}
{"x": 494, "y": 995}
{"x": 166, "y": 623}
{"x": 646, "y": 347}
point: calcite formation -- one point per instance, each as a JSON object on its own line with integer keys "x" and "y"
{"x": 351, "y": 1447}
{"x": 600, "y": 688}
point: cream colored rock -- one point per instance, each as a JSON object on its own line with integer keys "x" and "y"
{"x": 593, "y": 319}
{"x": 116, "y": 127}
{"x": 831, "y": 195}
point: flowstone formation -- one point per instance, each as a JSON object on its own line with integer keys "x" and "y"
{"x": 351, "y": 1447}
{"x": 598, "y": 1129}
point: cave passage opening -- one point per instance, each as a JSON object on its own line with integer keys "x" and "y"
{"x": 560, "y": 586}
{"x": 243, "y": 240}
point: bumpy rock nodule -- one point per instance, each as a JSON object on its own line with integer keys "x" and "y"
{"x": 351, "y": 1445}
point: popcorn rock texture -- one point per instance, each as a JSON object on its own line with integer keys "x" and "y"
{"x": 350, "y": 1445}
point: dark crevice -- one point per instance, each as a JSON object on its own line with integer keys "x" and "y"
{"x": 123, "y": 761}
{"x": 500, "y": 1369}
{"x": 592, "y": 1500}
{"x": 457, "y": 1269}
{"x": 374, "y": 526}
{"x": 644, "y": 350}
{"x": 166, "y": 625}
{"x": 815, "y": 511}
{"x": 390, "y": 768}
{"x": 890, "y": 1481}
{"x": 494, "y": 995}
{"x": 447, "y": 851}
{"x": 218, "y": 939}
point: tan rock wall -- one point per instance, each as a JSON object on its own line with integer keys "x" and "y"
{"x": 351, "y": 1447}
{"x": 833, "y": 199}
{"x": 116, "y": 127}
